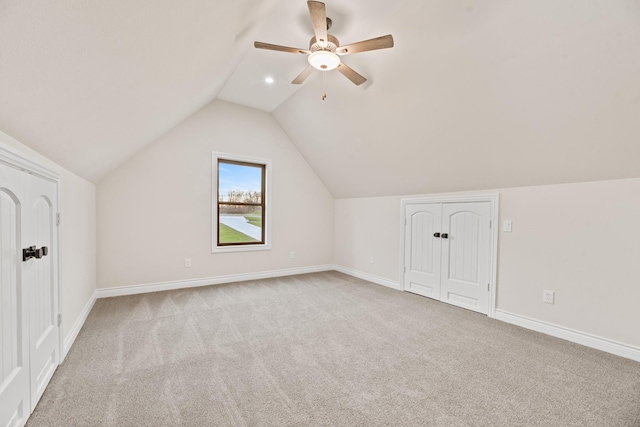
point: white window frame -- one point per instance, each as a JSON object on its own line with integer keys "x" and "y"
{"x": 215, "y": 156}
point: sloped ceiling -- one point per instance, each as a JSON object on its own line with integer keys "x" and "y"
{"x": 90, "y": 83}
{"x": 480, "y": 95}
{"x": 290, "y": 25}
{"x": 474, "y": 95}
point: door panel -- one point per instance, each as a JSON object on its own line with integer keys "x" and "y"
{"x": 10, "y": 314}
{"x": 14, "y": 369}
{"x": 466, "y": 269}
{"x": 29, "y": 333}
{"x": 40, "y": 273}
{"x": 43, "y": 315}
{"x": 423, "y": 250}
{"x": 463, "y": 248}
{"x": 422, "y": 226}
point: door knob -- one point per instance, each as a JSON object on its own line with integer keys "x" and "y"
{"x": 436, "y": 234}
{"x": 43, "y": 251}
{"x": 445, "y": 235}
{"x": 32, "y": 252}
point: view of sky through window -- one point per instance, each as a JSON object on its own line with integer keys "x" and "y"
{"x": 238, "y": 178}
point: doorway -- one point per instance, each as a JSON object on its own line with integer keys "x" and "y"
{"x": 29, "y": 289}
{"x": 449, "y": 250}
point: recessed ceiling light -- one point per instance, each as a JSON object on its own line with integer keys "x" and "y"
{"x": 269, "y": 80}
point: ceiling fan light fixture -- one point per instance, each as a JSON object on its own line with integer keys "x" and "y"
{"x": 324, "y": 48}
{"x": 324, "y": 60}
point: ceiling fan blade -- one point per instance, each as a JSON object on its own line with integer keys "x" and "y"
{"x": 260, "y": 45}
{"x": 318, "y": 14}
{"x": 382, "y": 42}
{"x": 349, "y": 73}
{"x": 303, "y": 75}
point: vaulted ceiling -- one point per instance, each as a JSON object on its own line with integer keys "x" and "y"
{"x": 475, "y": 94}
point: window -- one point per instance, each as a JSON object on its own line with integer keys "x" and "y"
{"x": 240, "y": 209}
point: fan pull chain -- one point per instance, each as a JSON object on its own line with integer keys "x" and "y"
{"x": 324, "y": 85}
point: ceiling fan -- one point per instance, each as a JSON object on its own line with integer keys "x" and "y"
{"x": 325, "y": 50}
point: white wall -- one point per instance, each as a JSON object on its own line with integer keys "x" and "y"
{"x": 365, "y": 228}
{"x": 580, "y": 240}
{"x": 77, "y": 237}
{"x": 155, "y": 210}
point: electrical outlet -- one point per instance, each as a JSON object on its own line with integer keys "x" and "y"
{"x": 371, "y": 259}
{"x": 548, "y": 297}
{"x": 187, "y": 263}
{"x": 292, "y": 255}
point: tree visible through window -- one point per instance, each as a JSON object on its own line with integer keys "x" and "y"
{"x": 241, "y": 202}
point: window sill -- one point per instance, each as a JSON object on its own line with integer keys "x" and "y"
{"x": 243, "y": 248}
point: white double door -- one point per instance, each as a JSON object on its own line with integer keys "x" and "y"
{"x": 448, "y": 252}
{"x": 29, "y": 331}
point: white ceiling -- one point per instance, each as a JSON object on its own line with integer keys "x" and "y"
{"x": 475, "y": 94}
{"x": 290, "y": 25}
{"x": 481, "y": 95}
{"x": 90, "y": 83}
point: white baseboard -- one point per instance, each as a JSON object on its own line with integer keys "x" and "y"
{"x": 194, "y": 283}
{"x": 369, "y": 277}
{"x": 599, "y": 343}
{"x": 73, "y": 334}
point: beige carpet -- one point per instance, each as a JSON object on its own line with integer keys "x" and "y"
{"x": 325, "y": 349}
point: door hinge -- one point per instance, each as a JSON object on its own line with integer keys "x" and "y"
{"x": 58, "y": 219}
{"x": 488, "y": 287}
{"x": 59, "y": 319}
{"x": 490, "y": 223}
{"x": 405, "y": 268}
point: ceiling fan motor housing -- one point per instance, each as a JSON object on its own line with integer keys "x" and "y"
{"x": 331, "y": 45}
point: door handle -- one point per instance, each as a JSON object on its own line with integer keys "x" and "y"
{"x": 445, "y": 235}
{"x": 32, "y": 252}
{"x": 436, "y": 234}
{"x": 43, "y": 251}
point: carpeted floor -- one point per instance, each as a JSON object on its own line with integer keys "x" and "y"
{"x": 325, "y": 349}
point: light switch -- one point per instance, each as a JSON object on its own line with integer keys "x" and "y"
{"x": 506, "y": 226}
